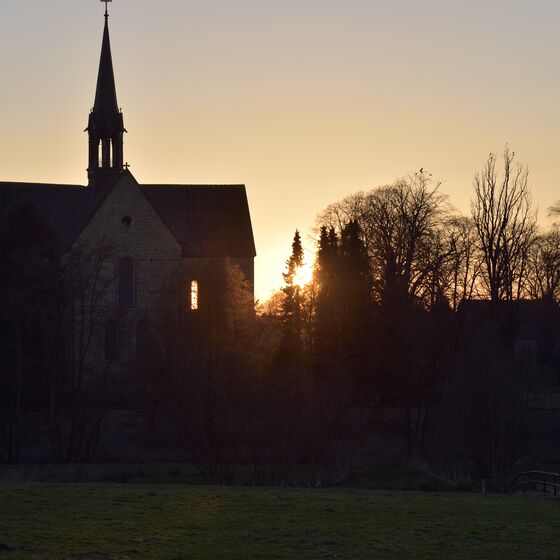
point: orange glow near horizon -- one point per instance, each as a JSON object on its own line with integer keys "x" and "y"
{"x": 303, "y": 102}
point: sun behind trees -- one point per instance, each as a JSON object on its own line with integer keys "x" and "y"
{"x": 402, "y": 285}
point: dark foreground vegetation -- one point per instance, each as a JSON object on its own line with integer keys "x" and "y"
{"x": 372, "y": 477}
{"x": 424, "y": 336}
{"x": 194, "y": 523}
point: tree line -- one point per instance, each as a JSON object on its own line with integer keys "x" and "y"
{"x": 406, "y": 339}
{"x": 414, "y": 329}
{"x": 419, "y": 308}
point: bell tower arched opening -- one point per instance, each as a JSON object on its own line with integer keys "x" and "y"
{"x": 106, "y": 123}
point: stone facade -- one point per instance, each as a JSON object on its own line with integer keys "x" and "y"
{"x": 126, "y": 226}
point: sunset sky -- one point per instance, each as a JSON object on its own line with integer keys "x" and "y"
{"x": 303, "y": 101}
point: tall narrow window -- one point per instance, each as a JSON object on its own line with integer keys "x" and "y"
{"x": 111, "y": 155}
{"x": 126, "y": 283}
{"x": 194, "y": 295}
{"x": 111, "y": 341}
{"x": 99, "y": 153}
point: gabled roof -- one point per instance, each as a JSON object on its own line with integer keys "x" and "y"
{"x": 64, "y": 207}
{"x": 207, "y": 220}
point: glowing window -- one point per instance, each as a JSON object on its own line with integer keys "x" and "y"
{"x": 194, "y": 295}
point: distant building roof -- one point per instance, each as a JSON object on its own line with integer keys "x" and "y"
{"x": 532, "y": 318}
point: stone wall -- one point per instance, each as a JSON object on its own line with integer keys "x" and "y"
{"x": 126, "y": 226}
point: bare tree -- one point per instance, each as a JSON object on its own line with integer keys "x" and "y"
{"x": 400, "y": 223}
{"x": 464, "y": 264}
{"x": 505, "y": 224}
{"x": 543, "y": 279}
{"x": 80, "y": 399}
{"x": 272, "y": 307}
{"x": 338, "y": 214}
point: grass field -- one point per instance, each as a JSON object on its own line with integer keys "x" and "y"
{"x": 176, "y": 522}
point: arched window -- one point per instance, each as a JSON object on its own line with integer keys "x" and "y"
{"x": 126, "y": 283}
{"x": 194, "y": 296}
{"x": 111, "y": 341}
{"x": 111, "y": 155}
{"x": 99, "y": 153}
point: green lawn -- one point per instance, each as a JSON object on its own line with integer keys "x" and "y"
{"x": 168, "y": 522}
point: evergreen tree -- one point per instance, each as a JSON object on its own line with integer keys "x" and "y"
{"x": 355, "y": 306}
{"x": 291, "y": 346}
{"x": 355, "y": 274}
{"x": 326, "y": 332}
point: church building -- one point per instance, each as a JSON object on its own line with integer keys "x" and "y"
{"x": 139, "y": 236}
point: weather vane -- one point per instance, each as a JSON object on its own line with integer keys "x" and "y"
{"x": 106, "y": 9}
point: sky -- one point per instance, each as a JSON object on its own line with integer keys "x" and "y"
{"x": 303, "y": 101}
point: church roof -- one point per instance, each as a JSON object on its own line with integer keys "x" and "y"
{"x": 62, "y": 206}
{"x": 207, "y": 220}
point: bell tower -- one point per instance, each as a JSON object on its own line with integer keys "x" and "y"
{"x": 106, "y": 124}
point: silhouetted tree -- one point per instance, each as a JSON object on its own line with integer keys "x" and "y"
{"x": 487, "y": 403}
{"x": 543, "y": 277}
{"x": 506, "y": 226}
{"x": 398, "y": 224}
{"x": 291, "y": 348}
{"x": 404, "y": 229}
{"x": 327, "y": 317}
{"x": 81, "y": 396}
{"x": 464, "y": 263}
{"x": 355, "y": 306}
{"x": 220, "y": 401}
{"x": 403, "y": 219}
{"x": 30, "y": 344}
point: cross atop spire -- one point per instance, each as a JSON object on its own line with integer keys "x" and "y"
{"x": 106, "y": 7}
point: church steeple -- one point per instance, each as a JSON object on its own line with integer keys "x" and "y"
{"x": 106, "y": 125}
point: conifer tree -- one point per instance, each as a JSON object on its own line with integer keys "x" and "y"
{"x": 355, "y": 306}
{"x": 326, "y": 332}
{"x": 291, "y": 346}
{"x": 355, "y": 274}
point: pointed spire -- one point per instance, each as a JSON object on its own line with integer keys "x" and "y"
{"x": 106, "y": 125}
{"x": 106, "y": 106}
